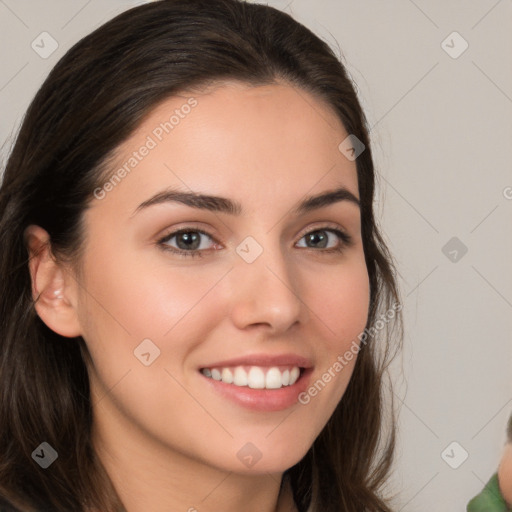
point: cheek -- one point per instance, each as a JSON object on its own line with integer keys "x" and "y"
{"x": 129, "y": 300}
{"x": 147, "y": 297}
{"x": 342, "y": 301}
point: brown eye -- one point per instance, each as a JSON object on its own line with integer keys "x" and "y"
{"x": 188, "y": 242}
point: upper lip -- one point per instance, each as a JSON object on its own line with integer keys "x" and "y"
{"x": 263, "y": 360}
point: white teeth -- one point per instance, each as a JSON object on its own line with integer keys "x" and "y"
{"x": 240, "y": 378}
{"x": 227, "y": 376}
{"x": 273, "y": 379}
{"x": 256, "y": 378}
{"x": 294, "y": 375}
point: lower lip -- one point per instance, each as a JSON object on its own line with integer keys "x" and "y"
{"x": 262, "y": 399}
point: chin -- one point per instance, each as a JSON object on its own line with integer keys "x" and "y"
{"x": 250, "y": 460}
{"x": 264, "y": 468}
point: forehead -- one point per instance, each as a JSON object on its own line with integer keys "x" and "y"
{"x": 238, "y": 138}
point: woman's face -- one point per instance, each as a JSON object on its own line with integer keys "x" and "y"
{"x": 251, "y": 288}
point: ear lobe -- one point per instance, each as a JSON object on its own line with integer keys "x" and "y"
{"x": 53, "y": 288}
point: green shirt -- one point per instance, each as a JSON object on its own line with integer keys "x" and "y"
{"x": 490, "y": 499}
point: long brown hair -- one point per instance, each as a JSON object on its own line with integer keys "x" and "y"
{"x": 92, "y": 100}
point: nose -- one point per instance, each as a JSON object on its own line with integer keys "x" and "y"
{"x": 267, "y": 293}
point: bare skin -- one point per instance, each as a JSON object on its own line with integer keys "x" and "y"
{"x": 167, "y": 438}
{"x": 505, "y": 474}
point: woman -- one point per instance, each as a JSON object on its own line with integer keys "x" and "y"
{"x": 197, "y": 305}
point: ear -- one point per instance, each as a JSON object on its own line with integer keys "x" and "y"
{"x": 53, "y": 286}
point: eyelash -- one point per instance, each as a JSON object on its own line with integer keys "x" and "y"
{"x": 346, "y": 241}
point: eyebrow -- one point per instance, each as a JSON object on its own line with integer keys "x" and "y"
{"x": 224, "y": 205}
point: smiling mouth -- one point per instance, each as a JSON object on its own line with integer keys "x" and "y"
{"x": 256, "y": 377}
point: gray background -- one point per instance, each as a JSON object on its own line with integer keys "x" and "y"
{"x": 442, "y": 138}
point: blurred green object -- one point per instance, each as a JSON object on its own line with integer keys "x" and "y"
{"x": 490, "y": 499}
